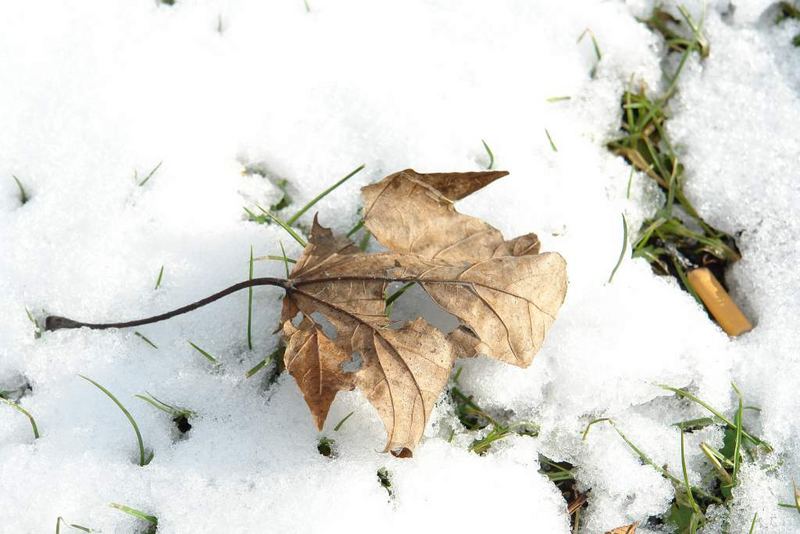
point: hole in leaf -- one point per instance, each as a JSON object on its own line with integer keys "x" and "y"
{"x": 356, "y": 363}
{"x": 327, "y": 327}
{"x": 415, "y": 302}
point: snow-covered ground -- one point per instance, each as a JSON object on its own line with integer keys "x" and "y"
{"x": 94, "y": 94}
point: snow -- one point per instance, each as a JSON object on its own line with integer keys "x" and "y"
{"x": 95, "y": 94}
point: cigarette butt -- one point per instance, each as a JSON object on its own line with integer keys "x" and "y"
{"x": 719, "y": 303}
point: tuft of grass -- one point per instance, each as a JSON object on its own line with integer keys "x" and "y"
{"x": 180, "y": 416}
{"x": 340, "y": 423}
{"x": 716, "y": 413}
{"x": 676, "y": 238}
{"x": 489, "y": 154}
{"x": 689, "y": 508}
{"x": 152, "y": 172}
{"x": 205, "y": 354}
{"x": 24, "y": 412}
{"x": 550, "y": 140}
{"x": 138, "y": 514}
{"x": 23, "y": 195}
{"x": 144, "y": 458}
{"x": 61, "y": 520}
{"x": 624, "y": 248}
{"x": 293, "y": 219}
{"x": 144, "y": 338}
{"x": 250, "y": 305}
{"x": 474, "y": 418}
{"x": 160, "y": 276}
{"x": 678, "y": 483}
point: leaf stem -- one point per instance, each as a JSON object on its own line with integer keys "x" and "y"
{"x": 55, "y": 322}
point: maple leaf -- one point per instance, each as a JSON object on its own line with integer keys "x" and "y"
{"x": 505, "y": 302}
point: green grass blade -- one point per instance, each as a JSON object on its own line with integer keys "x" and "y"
{"x": 205, "y": 354}
{"x": 686, "y": 483}
{"x": 23, "y": 195}
{"x": 150, "y": 174}
{"x": 489, "y": 153}
{"x": 71, "y": 525}
{"x": 753, "y": 524}
{"x": 550, "y": 140}
{"x": 390, "y": 300}
{"x": 260, "y": 365}
{"x": 160, "y": 276}
{"x": 250, "y": 305}
{"x": 286, "y": 227}
{"x": 138, "y": 514}
{"x": 285, "y": 259}
{"x": 355, "y": 228}
{"x": 37, "y": 328}
{"x": 737, "y": 460}
{"x": 624, "y": 248}
{"x": 293, "y": 219}
{"x": 24, "y": 412}
{"x": 155, "y": 403}
{"x": 139, "y": 440}
{"x": 340, "y": 423}
{"x": 142, "y": 336}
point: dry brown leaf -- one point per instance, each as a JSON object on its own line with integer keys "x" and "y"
{"x": 413, "y": 213}
{"x": 628, "y": 529}
{"x": 344, "y": 339}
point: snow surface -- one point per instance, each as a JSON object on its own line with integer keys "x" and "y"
{"x": 94, "y": 94}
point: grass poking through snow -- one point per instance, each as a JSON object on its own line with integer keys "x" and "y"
{"x": 160, "y": 276}
{"x": 293, "y": 219}
{"x": 61, "y": 521}
{"x": 276, "y": 355}
{"x": 550, "y": 140}
{"x": 144, "y": 338}
{"x": 489, "y": 154}
{"x": 624, "y": 248}
{"x": 690, "y": 505}
{"x": 180, "y": 416}
{"x": 144, "y": 458}
{"x": 151, "y": 520}
{"x": 24, "y": 412}
{"x": 205, "y": 354}
{"x": 150, "y": 174}
{"x": 23, "y": 195}
{"x": 676, "y": 238}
